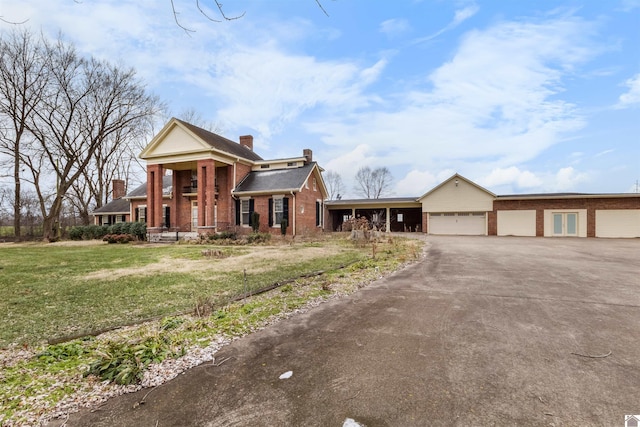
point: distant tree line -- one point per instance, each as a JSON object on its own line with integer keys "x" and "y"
{"x": 69, "y": 125}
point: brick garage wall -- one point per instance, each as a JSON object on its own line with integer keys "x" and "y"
{"x": 425, "y": 216}
{"x": 540, "y": 205}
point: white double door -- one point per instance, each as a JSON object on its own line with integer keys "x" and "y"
{"x": 565, "y": 224}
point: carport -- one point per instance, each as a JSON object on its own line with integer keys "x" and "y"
{"x": 389, "y": 214}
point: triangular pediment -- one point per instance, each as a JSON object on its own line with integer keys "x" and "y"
{"x": 457, "y": 194}
{"x": 174, "y": 140}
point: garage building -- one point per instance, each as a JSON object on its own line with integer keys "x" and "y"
{"x": 458, "y": 206}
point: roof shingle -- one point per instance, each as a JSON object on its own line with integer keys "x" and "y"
{"x": 278, "y": 179}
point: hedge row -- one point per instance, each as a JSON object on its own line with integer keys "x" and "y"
{"x": 91, "y": 232}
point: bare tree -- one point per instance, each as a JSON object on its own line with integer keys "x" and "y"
{"x": 373, "y": 183}
{"x": 23, "y": 79}
{"x": 88, "y": 112}
{"x": 193, "y": 116}
{"x": 334, "y": 183}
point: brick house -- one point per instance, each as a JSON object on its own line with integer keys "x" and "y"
{"x": 199, "y": 182}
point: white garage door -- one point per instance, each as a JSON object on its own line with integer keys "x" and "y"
{"x": 460, "y": 223}
{"x": 618, "y": 223}
{"x": 517, "y": 223}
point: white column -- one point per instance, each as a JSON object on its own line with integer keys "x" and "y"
{"x": 388, "y": 220}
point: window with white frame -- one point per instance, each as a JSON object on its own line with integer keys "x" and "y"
{"x": 119, "y": 219}
{"x": 315, "y": 187}
{"x": 244, "y": 211}
{"x": 278, "y": 211}
{"x": 142, "y": 214}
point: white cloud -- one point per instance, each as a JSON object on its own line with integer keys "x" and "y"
{"x": 493, "y": 105}
{"x": 632, "y": 96}
{"x": 462, "y": 15}
{"x": 416, "y": 183}
{"x": 602, "y": 153}
{"x": 247, "y": 70}
{"x": 394, "y": 27}
{"x": 348, "y": 163}
{"x": 511, "y": 176}
{"x": 459, "y": 17}
{"x": 568, "y": 178}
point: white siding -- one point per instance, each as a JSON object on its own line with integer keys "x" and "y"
{"x": 517, "y": 223}
{"x": 177, "y": 141}
{"x": 618, "y": 223}
{"x": 461, "y": 198}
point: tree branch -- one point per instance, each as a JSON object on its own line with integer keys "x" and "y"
{"x": 321, "y": 8}
{"x": 175, "y": 16}
{"x": 224, "y": 15}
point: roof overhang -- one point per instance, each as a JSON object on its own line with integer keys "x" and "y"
{"x": 94, "y": 213}
{"x": 265, "y": 192}
{"x": 569, "y": 196}
{"x": 408, "y": 202}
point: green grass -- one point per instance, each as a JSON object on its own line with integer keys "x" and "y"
{"x": 44, "y": 291}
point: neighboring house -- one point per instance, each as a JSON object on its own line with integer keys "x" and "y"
{"x": 117, "y": 210}
{"x": 199, "y": 182}
{"x": 459, "y": 206}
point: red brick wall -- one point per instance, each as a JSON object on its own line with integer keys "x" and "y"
{"x": 224, "y": 202}
{"x": 154, "y": 195}
{"x": 242, "y": 170}
{"x": 424, "y": 222}
{"x": 539, "y": 205}
{"x": 181, "y": 206}
{"x": 119, "y": 189}
{"x": 306, "y": 221}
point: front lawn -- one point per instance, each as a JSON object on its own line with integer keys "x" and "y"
{"x": 56, "y": 290}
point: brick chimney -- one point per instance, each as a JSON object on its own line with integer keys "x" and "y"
{"x": 308, "y": 155}
{"x": 247, "y": 141}
{"x": 118, "y": 188}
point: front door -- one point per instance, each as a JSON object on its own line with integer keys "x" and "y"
{"x": 565, "y": 224}
{"x": 194, "y": 215}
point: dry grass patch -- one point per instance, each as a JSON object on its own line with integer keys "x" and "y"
{"x": 257, "y": 260}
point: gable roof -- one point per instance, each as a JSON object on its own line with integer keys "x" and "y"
{"x": 277, "y": 180}
{"x": 221, "y": 143}
{"x": 455, "y": 176}
{"x": 117, "y": 206}
{"x": 202, "y": 141}
{"x": 140, "y": 192}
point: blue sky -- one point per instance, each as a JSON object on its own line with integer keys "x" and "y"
{"x": 519, "y": 96}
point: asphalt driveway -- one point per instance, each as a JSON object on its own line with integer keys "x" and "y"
{"x": 484, "y": 331}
